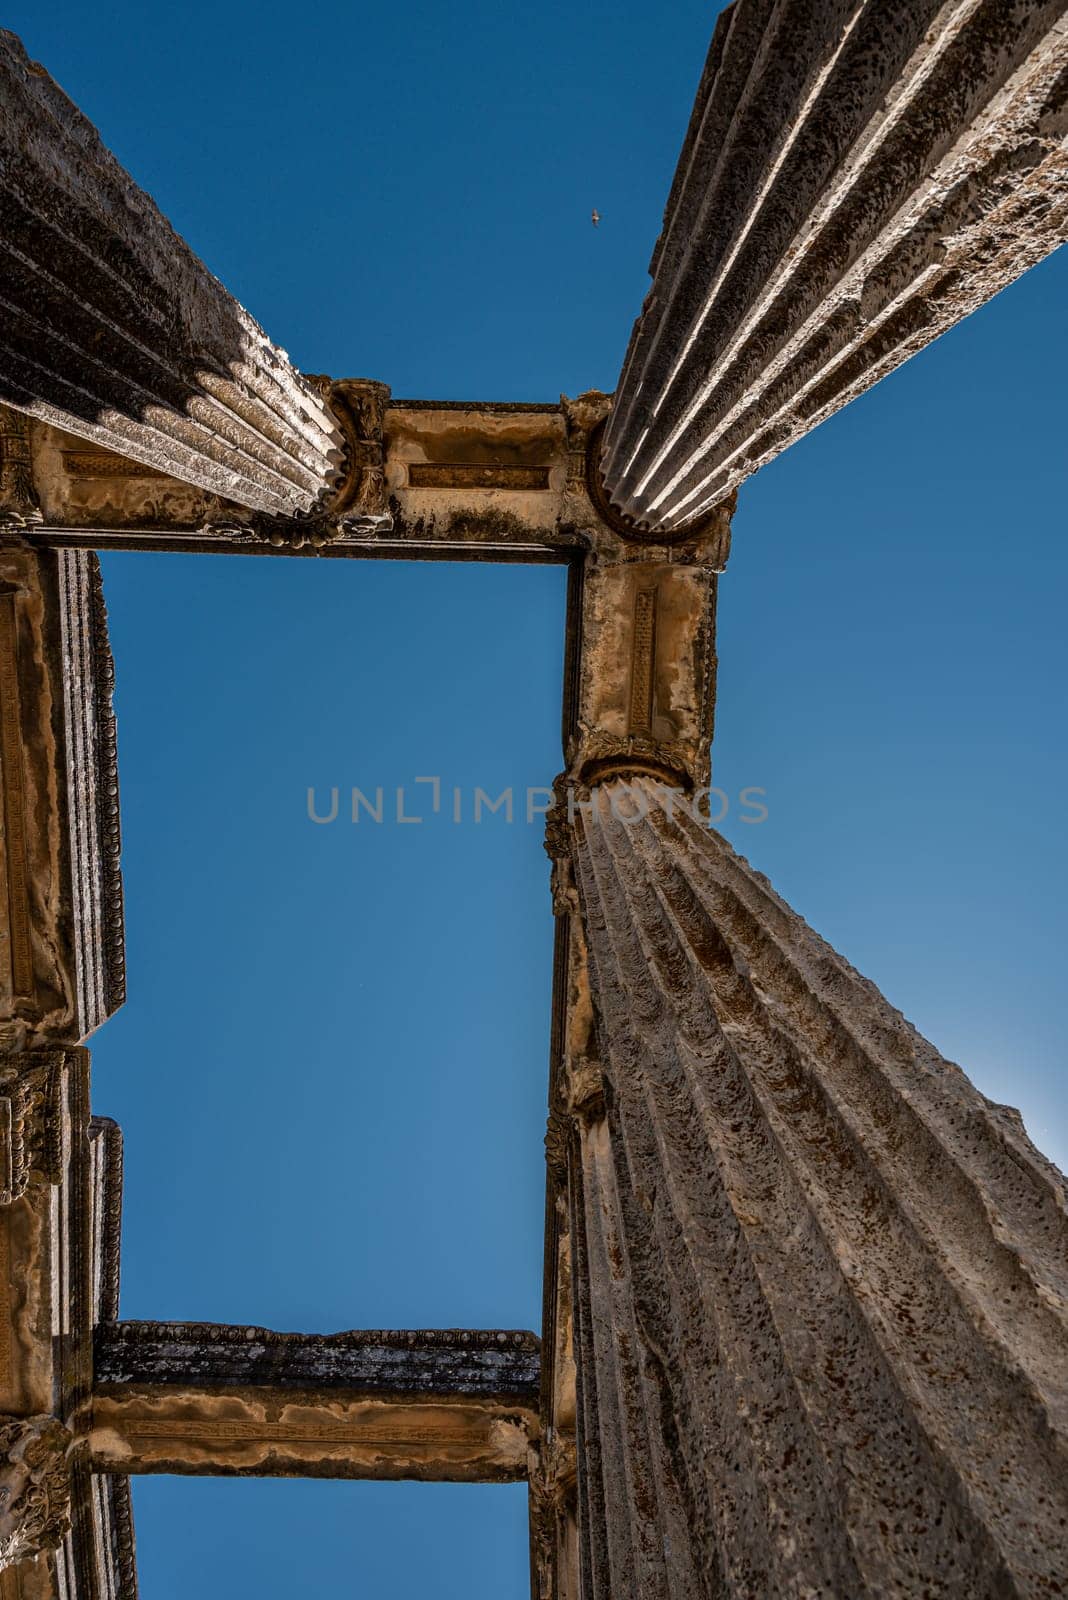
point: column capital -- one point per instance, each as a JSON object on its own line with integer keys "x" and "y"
{"x": 35, "y": 1486}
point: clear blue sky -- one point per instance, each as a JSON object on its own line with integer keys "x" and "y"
{"x": 331, "y": 1070}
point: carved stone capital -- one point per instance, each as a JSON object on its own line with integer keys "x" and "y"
{"x": 35, "y": 1487}
{"x": 705, "y": 540}
{"x": 552, "y": 1486}
{"x": 359, "y": 407}
{"x": 582, "y": 418}
{"x": 358, "y": 509}
{"x": 30, "y": 1121}
{"x": 19, "y": 506}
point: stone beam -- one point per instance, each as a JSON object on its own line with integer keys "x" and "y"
{"x": 448, "y": 480}
{"x": 856, "y": 178}
{"x": 113, "y": 329}
{"x": 443, "y": 1405}
{"x": 820, "y": 1282}
{"x": 444, "y": 481}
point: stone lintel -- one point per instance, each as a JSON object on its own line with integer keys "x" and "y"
{"x": 444, "y": 480}
{"x": 258, "y": 1431}
{"x": 646, "y": 670}
{"x": 441, "y": 1404}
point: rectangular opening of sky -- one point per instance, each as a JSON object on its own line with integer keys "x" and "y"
{"x": 331, "y": 1070}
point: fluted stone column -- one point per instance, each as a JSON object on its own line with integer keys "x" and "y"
{"x": 858, "y": 175}
{"x": 112, "y": 329}
{"x": 820, "y": 1280}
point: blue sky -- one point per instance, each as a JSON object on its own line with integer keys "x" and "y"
{"x": 331, "y": 1070}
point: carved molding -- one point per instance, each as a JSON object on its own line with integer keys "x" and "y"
{"x": 105, "y": 464}
{"x": 106, "y": 1146}
{"x": 35, "y": 1487}
{"x": 360, "y": 406}
{"x": 239, "y": 1336}
{"x": 582, "y": 417}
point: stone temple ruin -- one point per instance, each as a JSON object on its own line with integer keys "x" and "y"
{"x": 804, "y": 1327}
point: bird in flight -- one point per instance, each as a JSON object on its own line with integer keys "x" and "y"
{"x": 595, "y": 216}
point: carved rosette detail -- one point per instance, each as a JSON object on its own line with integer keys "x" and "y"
{"x": 35, "y": 1487}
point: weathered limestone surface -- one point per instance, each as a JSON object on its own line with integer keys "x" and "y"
{"x": 264, "y": 1432}
{"x": 821, "y": 1282}
{"x": 858, "y": 175}
{"x": 115, "y": 331}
